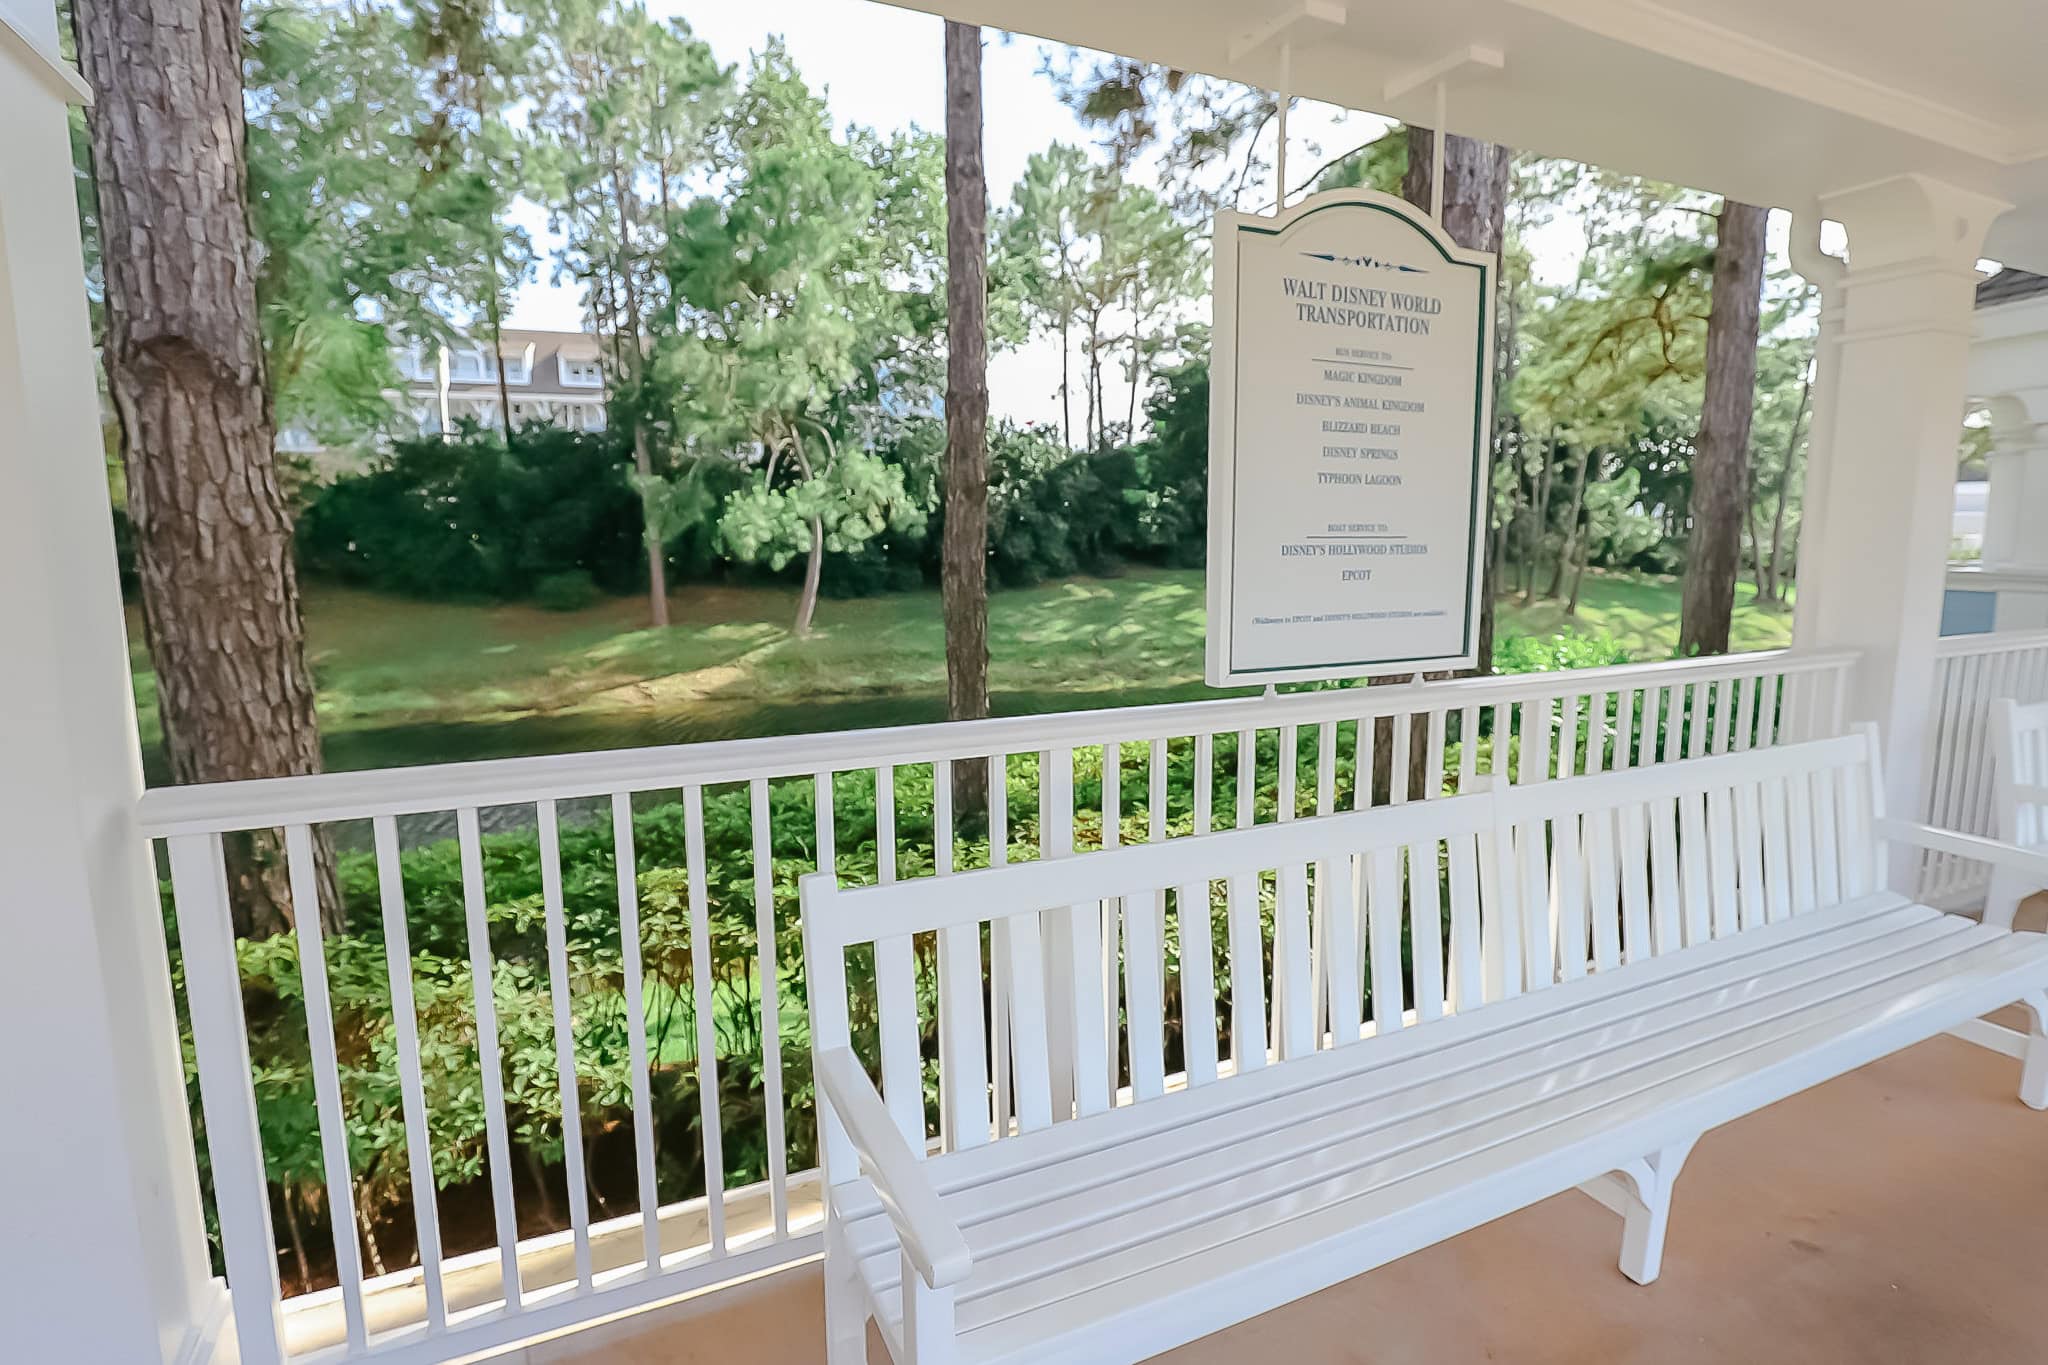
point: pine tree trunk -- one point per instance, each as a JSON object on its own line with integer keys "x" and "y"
{"x": 495, "y": 317}
{"x": 643, "y": 454}
{"x": 964, "y": 554}
{"x": 1777, "y": 572}
{"x": 1066, "y": 379}
{"x": 1568, "y": 549}
{"x": 650, "y": 531}
{"x": 1475, "y": 214}
{"x": 1720, "y": 466}
{"x": 186, "y": 374}
{"x": 1543, "y": 477}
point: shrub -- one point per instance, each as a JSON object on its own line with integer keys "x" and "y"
{"x": 466, "y": 517}
{"x": 569, "y": 590}
{"x": 1528, "y": 654}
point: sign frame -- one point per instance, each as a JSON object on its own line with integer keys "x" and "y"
{"x": 1230, "y": 231}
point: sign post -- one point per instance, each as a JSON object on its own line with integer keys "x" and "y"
{"x": 1350, "y": 423}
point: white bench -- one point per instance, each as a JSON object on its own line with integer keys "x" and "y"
{"x": 1631, "y": 959}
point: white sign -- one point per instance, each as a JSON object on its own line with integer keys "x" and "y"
{"x": 1350, "y": 420}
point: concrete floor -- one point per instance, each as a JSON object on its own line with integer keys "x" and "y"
{"x": 1899, "y": 1214}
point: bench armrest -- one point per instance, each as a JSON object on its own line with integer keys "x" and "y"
{"x": 930, "y": 1238}
{"x": 2033, "y": 862}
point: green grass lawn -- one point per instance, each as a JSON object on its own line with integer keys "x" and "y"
{"x": 402, "y": 681}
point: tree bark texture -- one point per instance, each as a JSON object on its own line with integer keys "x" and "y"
{"x": 1475, "y": 214}
{"x": 185, "y": 370}
{"x": 1720, "y": 462}
{"x": 964, "y": 552}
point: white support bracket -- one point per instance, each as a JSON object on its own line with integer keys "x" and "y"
{"x": 1473, "y": 59}
{"x": 44, "y": 66}
{"x": 1641, "y": 1193}
{"x": 1282, "y": 24}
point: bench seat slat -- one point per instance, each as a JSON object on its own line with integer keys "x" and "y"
{"x": 1593, "y": 1001}
{"x": 1483, "y": 1076}
{"x": 1056, "y": 1226}
{"x": 1331, "y": 1129}
{"x": 1323, "y": 1245}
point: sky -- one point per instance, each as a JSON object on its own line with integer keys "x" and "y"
{"x": 883, "y": 67}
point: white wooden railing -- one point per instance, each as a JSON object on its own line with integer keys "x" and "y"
{"x": 1971, "y": 672}
{"x": 1556, "y": 724}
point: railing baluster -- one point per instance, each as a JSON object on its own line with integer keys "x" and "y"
{"x": 1402, "y": 741}
{"x": 412, "y": 1096}
{"x": 1468, "y": 747}
{"x": 769, "y": 955}
{"x": 1745, "y": 713}
{"x": 1596, "y": 734}
{"x": 885, "y": 823}
{"x": 707, "y": 1032}
{"x": 1205, "y": 782}
{"x": 1056, "y": 926}
{"x": 1362, "y": 763}
{"x": 565, "y": 1039}
{"x": 636, "y": 1026}
{"x": 963, "y": 1054}
{"x": 999, "y": 968}
{"x": 1109, "y": 908}
{"x": 1290, "y": 741}
{"x": 1624, "y": 729}
{"x": 341, "y": 1204}
{"x": 1724, "y": 715}
{"x": 1247, "y": 777}
{"x": 220, "y": 1040}
{"x": 953, "y": 965}
{"x": 490, "y": 1053}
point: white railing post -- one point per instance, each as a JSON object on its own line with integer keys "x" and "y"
{"x": 220, "y": 1038}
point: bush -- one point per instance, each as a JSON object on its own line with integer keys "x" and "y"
{"x": 570, "y": 590}
{"x": 1528, "y": 654}
{"x": 468, "y": 518}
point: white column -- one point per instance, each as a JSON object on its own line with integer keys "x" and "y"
{"x": 1887, "y": 474}
{"x": 1825, "y": 272}
{"x": 2016, "y": 516}
{"x": 104, "y": 1258}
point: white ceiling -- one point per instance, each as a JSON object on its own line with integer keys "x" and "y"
{"x": 1773, "y": 101}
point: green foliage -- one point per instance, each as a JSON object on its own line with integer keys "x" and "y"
{"x": 1529, "y": 654}
{"x": 569, "y": 590}
{"x": 857, "y": 498}
{"x": 467, "y": 517}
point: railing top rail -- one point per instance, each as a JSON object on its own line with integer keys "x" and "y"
{"x": 169, "y": 812}
{"x": 1991, "y": 642}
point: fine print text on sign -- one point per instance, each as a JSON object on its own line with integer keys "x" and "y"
{"x": 1349, "y": 425}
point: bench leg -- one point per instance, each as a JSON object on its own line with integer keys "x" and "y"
{"x": 846, "y": 1306}
{"x": 2034, "y": 1067}
{"x": 1641, "y": 1193}
{"x": 927, "y": 1320}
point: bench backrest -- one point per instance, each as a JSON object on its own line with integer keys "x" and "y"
{"x": 2020, "y": 756}
{"x": 1228, "y": 951}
